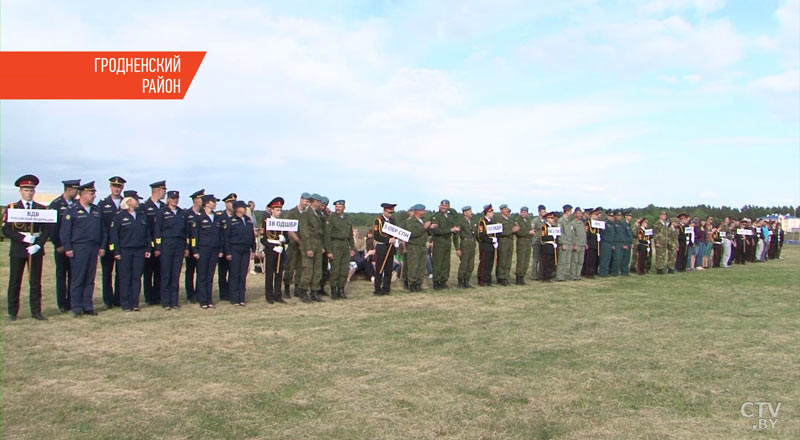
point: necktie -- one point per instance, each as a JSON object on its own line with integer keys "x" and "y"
{"x": 27, "y": 205}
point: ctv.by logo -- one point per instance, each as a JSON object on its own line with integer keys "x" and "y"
{"x": 764, "y": 422}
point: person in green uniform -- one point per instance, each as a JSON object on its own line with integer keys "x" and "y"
{"x": 340, "y": 246}
{"x": 660, "y": 242}
{"x": 672, "y": 245}
{"x": 536, "y": 223}
{"x": 578, "y": 227}
{"x": 565, "y": 244}
{"x": 607, "y": 245}
{"x": 465, "y": 246}
{"x": 524, "y": 238}
{"x": 615, "y": 224}
{"x": 324, "y": 214}
{"x": 505, "y": 245}
{"x": 311, "y": 242}
{"x": 626, "y": 240}
{"x": 416, "y": 249}
{"x": 294, "y": 261}
{"x": 443, "y": 228}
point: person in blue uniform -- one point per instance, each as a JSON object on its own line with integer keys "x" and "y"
{"x": 223, "y": 264}
{"x": 27, "y": 247}
{"x": 384, "y": 250}
{"x": 152, "y": 266}
{"x": 240, "y": 244}
{"x": 109, "y": 207}
{"x": 63, "y": 273}
{"x": 275, "y": 243}
{"x": 130, "y": 243}
{"x": 206, "y": 247}
{"x": 84, "y": 239}
{"x": 170, "y": 240}
{"x": 190, "y": 277}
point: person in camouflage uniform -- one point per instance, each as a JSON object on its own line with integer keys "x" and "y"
{"x": 465, "y": 246}
{"x": 312, "y": 236}
{"x": 505, "y": 246}
{"x": 578, "y": 244}
{"x": 661, "y": 243}
{"x": 340, "y": 246}
{"x": 294, "y": 266}
{"x": 672, "y": 245}
{"x": 524, "y": 236}
{"x": 324, "y": 214}
{"x": 443, "y": 227}
{"x": 416, "y": 250}
{"x": 536, "y": 223}
{"x": 627, "y": 243}
{"x": 566, "y": 241}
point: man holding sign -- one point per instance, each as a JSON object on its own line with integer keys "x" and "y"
{"x": 27, "y": 247}
{"x": 384, "y": 250}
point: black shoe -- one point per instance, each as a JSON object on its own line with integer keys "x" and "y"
{"x": 39, "y": 317}
{"x": 270, "y": 301}
{"x": 315, "y": 297}
{"x": 322, "y": 291}
{"x": 76, "y": 314}
{"x": 90, "y": 313}
{"x": 301, "y": 293}
{"x": 280, "y": 300}
{"x": 342, "y": 295}
{"x": 334, "y": 293}
{"x": 407, "y": 286}
{"x": 443, "y": 285}
{"x": 109, "y": 306}
{"x": 287, "y": 291}
{"x": 12, "y": 318}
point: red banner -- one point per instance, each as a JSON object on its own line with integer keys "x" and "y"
{"x": 97, "y": 75}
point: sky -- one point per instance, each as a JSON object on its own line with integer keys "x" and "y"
{"x": 587, "y": 102}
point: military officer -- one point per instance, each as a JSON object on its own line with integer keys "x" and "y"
{"x": 63, "y": 272}
{"x": 592, "y": 243}
{"x": 443, "y": 227}
{"x": 505, "y": 245}
{"x": 626, "y": 241}
{"x": 27, "y": 247}
{"x": 152, "y": 266}
{"x": 223, "y": 264}
{"x": 549, "y": 258}
{"x": 324, "y": 214}
{"x": 642, "y": 246}
{"x": 682, "y": 241}
{"x": 384, "y": 250}
{"x": 206, "y": 248}
{"x": 170, "y": 246}
{"x": 294, "y": 267}
{"x": 524, "y": 235}
{"x": 578, "y": 229}
{"x": 465, "y": 246}
{"x": 672, "y": 246}
{"x": 275, "y": 253}
{"x": 487, "y": 245}
{"x": 660, "y": 243}
{"x": 416, "y": 247}
{"x": 130, "y": 243}
{"x": 566, "y": 243}
{"x": 190, "y": 277}
{"x": 608, "y": 241}
{"x": 538, "y": 221}
{"x": 340, "y": 246}
{"x": 84, "y": 239}
{"x": 311, "y": 243}
{"x": 109, "y": 207}
{"x": 240, "y": 244}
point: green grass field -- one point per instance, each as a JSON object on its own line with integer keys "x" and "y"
{"x": 652, "y": 357}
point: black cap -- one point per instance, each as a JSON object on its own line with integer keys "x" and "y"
{"x": 73, "y": 183}
{"x": 209, "y": 198}
{"x": 542, "y": 208}
{"x": 87, "y": 186}
{"x": 230, "y": 197}
{"x": 198, "y": 193}
{"x": 117, "y": 181}
{"x": 578, "y": 208}
{"x": 277, "y": 202}
{"x": 28, "y": 180}
{"x": 173, "y": 194}
{"x": 239, "y": 204}
{"x": 627, "y": 213}
{"x": 159, "y": 184}
{"x": 567, "y": 207}
{"x": 131, "y": 193}
{"x": 338, "y": 202}
{"x": 388, "y": 206}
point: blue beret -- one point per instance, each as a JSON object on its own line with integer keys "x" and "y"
{"x": 503, "y": 206}
{"x": 418, "y": 207}
{"x": 524, "y": 208}
{"x": 305, "y": 195}
{"x": 445, "y": 202}
{"x": 324, "y": 200}
{"x": 339, "y": 202}
{"x": 315, "y": 196}
{"x": 466, "y": 208}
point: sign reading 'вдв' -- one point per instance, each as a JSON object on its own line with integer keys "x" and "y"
{"x": 396, "y": 231}
{"x": 279, "y": 224}
{"x": 494, "y": 228}
{"x": 15, "y": 215}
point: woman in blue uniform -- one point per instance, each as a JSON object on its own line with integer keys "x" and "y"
{"x": 240, "y": 243}
{"x": 206, "y": 243}
{"x": 130, "y": 242}
{"x": 170, "y": 245}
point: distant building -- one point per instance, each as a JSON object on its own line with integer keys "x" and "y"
{"x": 789, "y": 222}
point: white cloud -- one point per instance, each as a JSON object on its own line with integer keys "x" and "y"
{"x": 700, "y": 6}
{"x": 786, "y": 82}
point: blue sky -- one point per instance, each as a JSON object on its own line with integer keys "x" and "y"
{"x": 613, "y": 103}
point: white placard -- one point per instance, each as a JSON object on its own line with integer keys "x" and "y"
{"x": 648, "y": 232}
{"x": 32, "y": 215}
{"x": 741, "y": 231}
{"x": 496, "y": 228}
{"x": 689, "y": 230}
{"x": 279, "y": 224}
{"x": 396, "y": 231}
{"x": 554, "y": 231}
{"x": 723, "y": 234}
{"x": 598, "y": 224}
